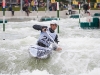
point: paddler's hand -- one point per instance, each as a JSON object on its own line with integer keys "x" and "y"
{"x": 58, "y": 49}
{"x": 44, "y": 29}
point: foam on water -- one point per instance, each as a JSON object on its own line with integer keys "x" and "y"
{"x": 44, "y": 72}
{"x": 80, "y": 54}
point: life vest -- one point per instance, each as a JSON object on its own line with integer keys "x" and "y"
{"x": 45, "y": 38}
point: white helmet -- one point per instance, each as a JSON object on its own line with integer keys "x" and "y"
{"x": 53, "y": 22}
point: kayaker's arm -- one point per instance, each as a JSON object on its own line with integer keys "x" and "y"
{"x": 39, "y": 27}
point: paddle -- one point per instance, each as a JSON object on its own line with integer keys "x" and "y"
{"x": 54, "y": 43}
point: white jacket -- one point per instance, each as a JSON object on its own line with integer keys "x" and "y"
{"x": 69, "y": 7}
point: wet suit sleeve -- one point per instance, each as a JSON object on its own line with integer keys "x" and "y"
{"x": 54, "y": 46}
{"x": 56, "y": 39}
{"x": 39, "y": 27}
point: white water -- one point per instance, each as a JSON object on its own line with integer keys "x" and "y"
{"x": 80, "y": 54}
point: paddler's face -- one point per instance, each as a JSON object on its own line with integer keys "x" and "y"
{"x": 53, "y": 26}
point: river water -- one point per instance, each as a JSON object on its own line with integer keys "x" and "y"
{"x": 80, "y": 53}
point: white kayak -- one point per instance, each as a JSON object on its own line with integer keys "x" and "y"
{"x": 39, "y": 52}
{"x": 33, "y": 51}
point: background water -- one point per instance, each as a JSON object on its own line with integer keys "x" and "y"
{"x": 80, "y": 53}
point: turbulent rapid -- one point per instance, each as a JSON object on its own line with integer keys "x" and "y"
{"x": 80, "y": 54}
